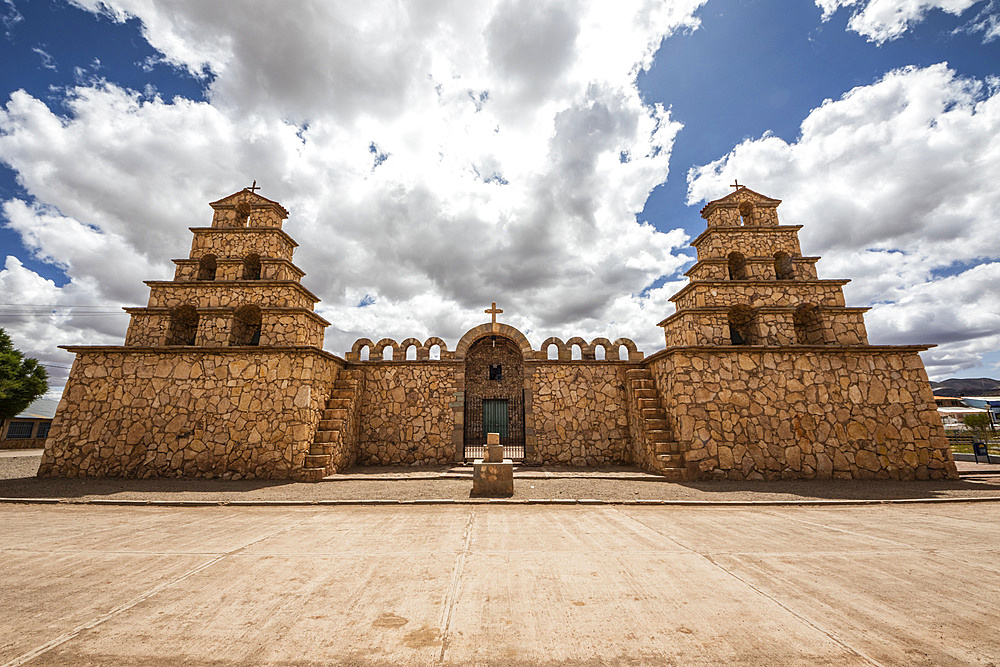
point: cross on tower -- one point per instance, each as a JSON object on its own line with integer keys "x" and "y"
{"x": 254, "y": 186}
{"x": 736, "y": 184}
{"x": 493, "y": 310}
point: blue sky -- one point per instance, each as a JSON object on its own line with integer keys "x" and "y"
{"x": 519, "y": 149}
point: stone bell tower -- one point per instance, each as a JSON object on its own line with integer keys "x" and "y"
{"x": 238, "y": 286}
{"x": 768, "y": 375}
{"x": 222, "y": 373}
{"x": 752, "y": 286}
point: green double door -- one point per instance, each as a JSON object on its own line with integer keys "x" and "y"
{"x": 496, "y": 417}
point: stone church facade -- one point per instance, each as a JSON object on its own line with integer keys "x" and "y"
{"x": 766, "y": 374}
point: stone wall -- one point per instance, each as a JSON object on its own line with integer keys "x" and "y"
{"x": 752, "y": 242}
{"x": 803, "y": 414}
{"x": 578, "y": 412}
{"x": 760, "y": 294}
{"x": 247, "y": 209}
{"x": 758, "y": 268}
{"x": 232, "y": 269}
{"x": 770, "y": 326}
{"x": 268, "y": 243}
{"x": 406, "y": 411}
{"x": 279, "y": 326}
{"x": 735, "y": 215}
{"x": 169, "y": 413}
{"x": 266, "y": 293}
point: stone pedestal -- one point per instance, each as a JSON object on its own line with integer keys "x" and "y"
{"x": 493, "y": 477}
{"x": 492, "y": 480}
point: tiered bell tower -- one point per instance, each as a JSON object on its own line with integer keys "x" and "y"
{"x": 238, "y": 287}
{"x": 752, "y": 286}
{"x": 222, "y": 373}
{"x": 768, "y": 375}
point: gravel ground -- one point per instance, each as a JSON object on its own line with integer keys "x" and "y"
{"x": 17, "y": 480}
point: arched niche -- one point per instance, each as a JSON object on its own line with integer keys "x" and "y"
{"x": 207, "y": 267}
{"x": 742, "y": 325}
{"x": 737, "y": 264}
{"x": 784, "y": 268}
{"x": 251, "y": 267}
{"x": 183, "y": 329}
{"x": 808, "y": 324}
{"x": 246, "y": 326}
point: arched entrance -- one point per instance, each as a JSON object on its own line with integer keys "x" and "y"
{"x": 494, "y": 396}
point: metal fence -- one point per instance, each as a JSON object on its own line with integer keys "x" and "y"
{"x": 494, "y": 415}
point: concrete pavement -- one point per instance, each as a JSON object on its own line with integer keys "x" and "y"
{"x": 466, "y": 584}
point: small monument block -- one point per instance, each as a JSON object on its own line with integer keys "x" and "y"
{"x": 494, "y": 450}
{"x": 493, "y": 477}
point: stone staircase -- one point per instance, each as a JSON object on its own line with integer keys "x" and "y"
{"x": 665, "y": 457}
{"x": 327, "y": 451}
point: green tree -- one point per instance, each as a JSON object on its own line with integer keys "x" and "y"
{"x": 979, "y": 425}
{"x": 21, "y": 380}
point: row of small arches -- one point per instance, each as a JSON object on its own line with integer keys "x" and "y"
{"x": 807, "y": 322}
{"x": 184, "y": 322}
{"x": 388, "y": 349}
{"x": 208, "y": 266}
{"x": 600, "y": 349}
{"x": 411, "y": 349}
{"x": 784, "y": 267}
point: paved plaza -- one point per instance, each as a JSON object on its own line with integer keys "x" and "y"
{"x": 500, "y": 584}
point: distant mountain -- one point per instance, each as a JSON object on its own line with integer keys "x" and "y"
{"x": 966, "y": 387}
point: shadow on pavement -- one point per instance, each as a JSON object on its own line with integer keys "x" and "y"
{"x": 606, "y": 483}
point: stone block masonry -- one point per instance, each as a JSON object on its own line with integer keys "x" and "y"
{"x": 579, "y": 412}
{"x": 770, "y": 414}
{"x": 406, "y": 412}
{"x": 157, "y": 412}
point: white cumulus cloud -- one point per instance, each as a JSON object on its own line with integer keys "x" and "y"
{"x": 894, "y": 183}
{"x": 884, "y": 20}
{"x": 434, "y": 157}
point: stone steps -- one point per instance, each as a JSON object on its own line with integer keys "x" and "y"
{"x": 659, "y": 435}
{"x": 674, "y": 474}
{"x": 671, "y": 460}
{"x": 317, "y": 460}
{"x": 311, "y": 474}
{"x": 668, "y": 459}
{"x": 667, "y": 447}
{"x": 331, "y": 424}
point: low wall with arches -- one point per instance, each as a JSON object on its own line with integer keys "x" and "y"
{"x": 413, "y": 398}
{"x": 552, "y": 348}
{"x": 387, "y": 349}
